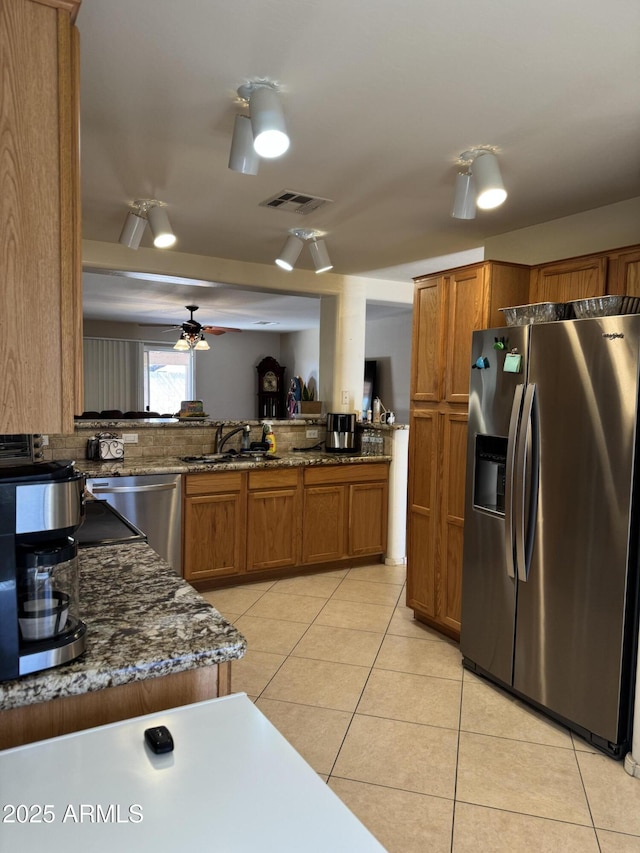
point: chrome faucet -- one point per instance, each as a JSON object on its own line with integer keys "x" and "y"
{"x": 219, "y": 440}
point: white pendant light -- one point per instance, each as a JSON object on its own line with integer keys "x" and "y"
{"x": 243, "y": 157}
{"x": 464, "y": 201}
{"x": 290, "y": 253}
{"x": 181, "y": 344}
{"x": 490, "y": 191}
{"x": 270, "y": 137}
{"x": 202, "y": 344}
{"x": 132, "y": 230}
{"x": 163, "y": 236}
{"x": 320, "y": 256}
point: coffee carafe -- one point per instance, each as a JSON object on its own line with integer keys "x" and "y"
{"x": 40, "y": 509}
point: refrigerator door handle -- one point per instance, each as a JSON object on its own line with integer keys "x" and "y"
{"x": 512, "y": 443}
{"x": 526, "y": 492}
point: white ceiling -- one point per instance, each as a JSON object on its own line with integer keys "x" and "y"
{"x": 380, "y": 100}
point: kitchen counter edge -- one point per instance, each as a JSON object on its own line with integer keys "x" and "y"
{"x": 153, "y": 625}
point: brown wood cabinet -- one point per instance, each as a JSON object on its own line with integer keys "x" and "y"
{"x": 447, "y": 309}
{"x": 214, "y": 525}
{"x": 40, "y": 262}
{"x": 273, "y": 519}
{"x": 578, "y": 278}
{"x": 624, "y": 272}
{"x": 239, "y": 525}
{"x": 345, "y": 512}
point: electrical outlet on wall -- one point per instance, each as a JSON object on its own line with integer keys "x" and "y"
{"x": 130, "y": 437}
{"x": 345, "y": 398}
{"x": 312, "y": 433}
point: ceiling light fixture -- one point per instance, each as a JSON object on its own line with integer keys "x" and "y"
{"x": 142, "y": 211}
{"x": 243, "y": 157}
{"x": 464, "y": 201}
{"x": 182, "y": 344}
{"x": 270, "y": 137}
{"x": 478, "y": 182}
{"x": 132, "y": 230}
{"x": 293, "y": 246}
{"x": 163, "y": 236}
{"x": 290, "y": 253}
{"x": 320, "y": 255}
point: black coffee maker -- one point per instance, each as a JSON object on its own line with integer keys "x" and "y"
{"x": 40, "y": 508}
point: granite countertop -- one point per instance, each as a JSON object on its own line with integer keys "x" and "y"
{"x": 174, "y": 465}
{"x": 154, "y": 624}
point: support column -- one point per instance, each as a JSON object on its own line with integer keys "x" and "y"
{"x": 348, "y": 368}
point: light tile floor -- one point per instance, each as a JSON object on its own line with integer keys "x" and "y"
{"x": 429, "y": 757}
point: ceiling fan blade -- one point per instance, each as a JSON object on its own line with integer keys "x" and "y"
{"x": 160, "y": 326}
{"x": 218, "y": 330}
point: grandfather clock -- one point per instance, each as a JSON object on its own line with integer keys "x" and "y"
{"x": 271, "y": 397}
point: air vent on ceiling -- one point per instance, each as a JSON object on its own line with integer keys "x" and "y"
{"x": 294, "y": 202}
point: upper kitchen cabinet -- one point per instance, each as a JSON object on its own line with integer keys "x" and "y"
{"x": 624, "y": 272}
{"x": 578, "y": 278}
{"x": 447, "y": 309}
{"x": 41, "y": 295}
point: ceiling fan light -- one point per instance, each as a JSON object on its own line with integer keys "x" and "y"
{"x": 181, "y": 344}
{"x": 132, "y": 230}
{"x": 163, "y": 236}
{"x": 270, "y": 137}
{"x": 290, "y": 253}
{"x": 202, "y": 344}
{"x": 243, "y": 157}
{"x": 464, "y": 201}
{"x": 320, "y": 256}
{"x": 490, "y": 191}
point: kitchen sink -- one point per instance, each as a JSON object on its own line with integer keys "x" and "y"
{"x": 222, "y": 458}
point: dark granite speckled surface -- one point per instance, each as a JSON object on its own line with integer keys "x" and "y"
{"x": 174, "y": 465}
{"x": 142, "y": 621}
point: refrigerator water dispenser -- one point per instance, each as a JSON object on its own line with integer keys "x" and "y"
{"x": 490, "y": 470}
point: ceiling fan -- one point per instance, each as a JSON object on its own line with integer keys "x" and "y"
{"x": 192, "y": 332}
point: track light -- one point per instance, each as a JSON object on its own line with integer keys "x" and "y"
{"x": 293, "y": 246}
{"x": 490, "y": 191}
{"x": 145, "y": 210}
{"x": 243, "y": 157}
{"x": 464, "y": 201}
{"x": 163, "y": 236}
{"x": 290, "y": 253}
{"x": 480, "y": 183}
{"x": 320, "y": 256}
{"x": 270, "y": 137}
{"x": 132, "y": 230}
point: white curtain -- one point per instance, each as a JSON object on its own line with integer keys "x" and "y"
{"x": 113, "y": 375}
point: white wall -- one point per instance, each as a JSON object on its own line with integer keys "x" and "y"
{"x": 300, "y": 354}
{"x": 597, "y": 230}
{"x": 388, "y": 341}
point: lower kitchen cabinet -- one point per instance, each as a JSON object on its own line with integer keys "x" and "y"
{"x": 345, "y": 512}
{"x": 437, "y": 466}
{"x": 323, "y": 524}
{"x": 214, "y": 530}
{"x": 273, "y": 519}
{"x": 241, "y": 525}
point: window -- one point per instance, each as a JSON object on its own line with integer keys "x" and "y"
{"x": 168, "y": 378}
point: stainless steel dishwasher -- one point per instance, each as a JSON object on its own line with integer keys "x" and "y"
{"x": 153, "y": 503}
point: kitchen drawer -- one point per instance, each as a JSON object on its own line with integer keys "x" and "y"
{"x": 364, "y": 473}
{"x": 209, "y": 484}
{"x": 280, "y": 478}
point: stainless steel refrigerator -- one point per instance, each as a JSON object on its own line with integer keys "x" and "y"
{"x": 550, "y": 566}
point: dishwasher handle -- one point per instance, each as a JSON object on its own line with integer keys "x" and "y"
{"x": 99, "y": 489}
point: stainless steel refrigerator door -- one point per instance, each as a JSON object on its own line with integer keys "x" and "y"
{"x": 488, "y": 590}
{"x": 571, "y": 612}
